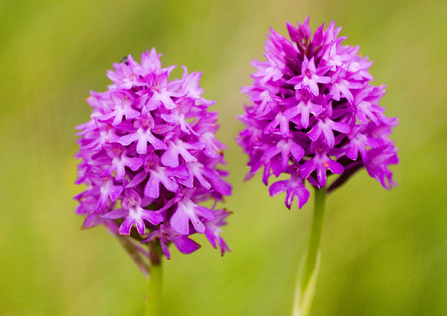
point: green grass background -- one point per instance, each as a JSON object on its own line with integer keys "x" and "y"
{"x": 383, "y": 252}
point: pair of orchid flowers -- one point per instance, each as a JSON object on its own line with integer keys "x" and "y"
{"x": 149, "y": 156}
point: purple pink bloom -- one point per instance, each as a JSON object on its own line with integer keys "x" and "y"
{"x": 149, "y": 157}
{"x": 313, "y": 112}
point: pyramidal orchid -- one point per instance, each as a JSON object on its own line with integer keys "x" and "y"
{"x": 314, "y": 113}
{"x": 149, "y": 158}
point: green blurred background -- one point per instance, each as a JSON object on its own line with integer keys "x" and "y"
{"x": 383, "y": 252}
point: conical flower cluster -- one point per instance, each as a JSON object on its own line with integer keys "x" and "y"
{"x": 313, "y": 112}
{"x": 150, "y": 156}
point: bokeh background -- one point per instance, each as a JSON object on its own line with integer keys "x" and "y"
{"x": 383, "y": 252}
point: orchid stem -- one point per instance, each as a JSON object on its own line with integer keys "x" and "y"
{"x": 308, "y": 272}
{"x": 155, "y": 287}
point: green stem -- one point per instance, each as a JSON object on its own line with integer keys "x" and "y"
{"x": 155, "y": 287}
{"x": 308, "y": 271}
{"x": 315, "y": 237}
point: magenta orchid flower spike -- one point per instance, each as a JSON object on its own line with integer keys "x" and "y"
{"x": 313, "y": 113}
{"x": 149, "y": 158}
